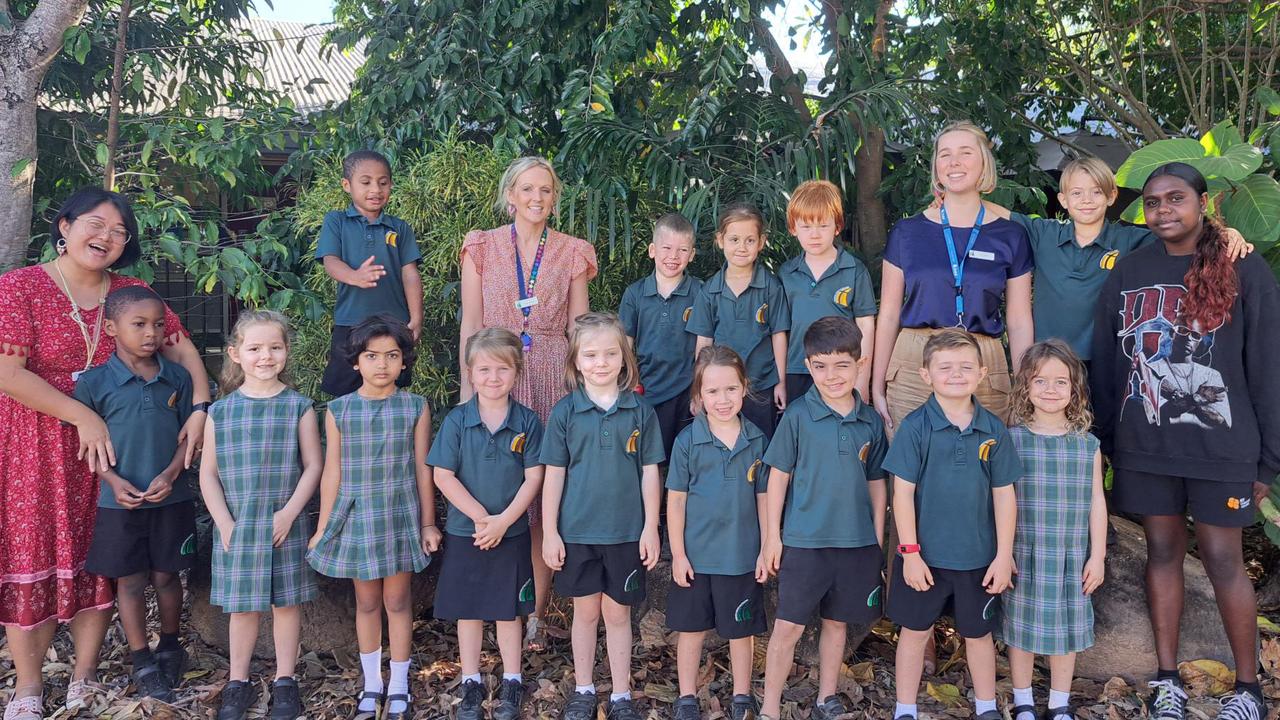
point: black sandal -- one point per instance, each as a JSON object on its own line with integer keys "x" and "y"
{"x": 408, "y": 707}
{"x": 376, "y": 712}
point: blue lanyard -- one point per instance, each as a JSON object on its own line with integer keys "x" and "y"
{"x": 526, "y": 291}
{"x": 957, "y": 264}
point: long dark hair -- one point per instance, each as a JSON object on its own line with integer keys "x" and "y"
{"x": 86, "y": 199}
{"x": 1211, "y": 280}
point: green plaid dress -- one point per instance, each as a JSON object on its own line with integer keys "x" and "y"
{"x": 259, "y": 463}
{"x": 373, "y": 531}
{"x": 1046, "y": 612}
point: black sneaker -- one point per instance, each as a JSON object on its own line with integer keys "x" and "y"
{"x": 581, "y": 706}
{"x": 510, "y": 697}
{"x": 174, "y": 664}
{"x": 991, "y": 715}
{"x": 1168, "y": 700}
{"x": 1019, "y": 710}
{"x": 286, "y": 701}
{"x": 472, "y": 707}
{"x": 1243, "y": 705}
{"x": 687, "y": 708}
{"x": 828, "y": 709}
{"x": 150, "y": 681}
{"x": 237, "y": 697}
{"x": 624, "y": 709}
{"x": 743, "y": 707}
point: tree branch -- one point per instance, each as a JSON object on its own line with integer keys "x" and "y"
{"x": 44, "y": 28}
{"x": 780, "y": 67}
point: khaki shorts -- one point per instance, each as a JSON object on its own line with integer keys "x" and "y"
{"x": 905, "y": 390}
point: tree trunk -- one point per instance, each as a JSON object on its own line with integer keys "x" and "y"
{"x": 26, "y": 50}
{"x": 868, "y": 165}
{"x": 117, "y": 88}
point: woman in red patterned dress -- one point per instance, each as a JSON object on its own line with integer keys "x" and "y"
{"x": 554, "y": 271}
{"x": 50, "y": 332}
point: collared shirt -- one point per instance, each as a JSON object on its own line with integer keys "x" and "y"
{"x": 831, "y": 458}
{"x": 745, "y": 323}
{"x": 603, "y": 453}
{"x": 918, "y": 248}
{"x": 352, "y": 238}
{"x": 490, "y": 465}
{"x": 954, "y": 472}
{"x": 721, "y": 520}
{"x": 1068, "y": 277}
{"x": 144, "y": 418}
{"x": 843, "y": 290}
{"x": 664, "y": 348}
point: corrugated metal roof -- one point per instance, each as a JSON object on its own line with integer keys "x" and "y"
{"x": 299, "y": 65}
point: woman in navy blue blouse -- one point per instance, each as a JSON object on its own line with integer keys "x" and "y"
{"x": 954, "y": 265}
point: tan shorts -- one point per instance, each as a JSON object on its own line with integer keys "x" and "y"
{"x": 905, "y": 390}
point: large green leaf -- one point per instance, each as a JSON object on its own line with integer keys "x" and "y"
{"x": 1133, "y": 213}
{"x": 1134, "y": 172}
{"x": 1224, "y": 135}
{"x": 1254, "y": 209}
{"x": 1236, "y": 163}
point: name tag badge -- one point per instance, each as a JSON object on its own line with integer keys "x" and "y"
{"x": 527, "y": 302}
{"x": 982, "y": 255}
{"x": 75, "y": 376}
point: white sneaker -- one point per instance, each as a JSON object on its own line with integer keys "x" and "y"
{"x": 80, "y": 694}
{"x": 27, "y": 708}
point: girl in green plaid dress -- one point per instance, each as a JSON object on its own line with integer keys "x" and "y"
{"x": 261, "y": 465}
{"x": 377, "y": 505}
{"x": 1061, "y": 537}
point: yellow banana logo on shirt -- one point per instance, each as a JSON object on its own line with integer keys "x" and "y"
{"x": 687, "y": 312}
{"x": 1108, "y": 261}
{"x": 517, "y": 443}
{"x": 864, "y": 452}
{"x": 751, "y": 471}
{"x": 633, "y": 441}
{"x": 842, "y": 296}
{"x": 760, "y": 313}
{"x": 984, "y": 450}
{"x": 173, "y": 400}
{"x": 392, "y": 237}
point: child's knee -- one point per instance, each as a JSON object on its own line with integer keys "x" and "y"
{"x": 166, "y": 582}
{"x": 586, "y": 609}
{"x": 914, "y": 638}
{"x": 787, "y": 631}
{"x": 834, "y": 626}
{"x": 397, "y": 603}
{"x": 132, "y": 587}
{"x": 615, "y": 614}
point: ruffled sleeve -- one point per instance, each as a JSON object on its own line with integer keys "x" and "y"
{"x": 474, "y": 245}
{"x": 173, "y": 328}
{"x": 17, "y": 324}
{"x": 584, "y": 259}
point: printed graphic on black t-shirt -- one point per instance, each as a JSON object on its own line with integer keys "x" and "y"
{"x": 1170, "y": 371}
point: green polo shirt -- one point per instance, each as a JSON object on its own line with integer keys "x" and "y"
{"x": 144, "y": 418}
{"x": 664, "y": 348}
{"x": 954, "y": 472}
{"x": 489, "y": 465}
{"x": 603, "y": 452}
{"x": 745, "y": 323}
{"x": 1068, "y": 277}
{"x": 831, "y": 458}
{"x": 352, "y": 238}
{"x": 843, "y": 290}
{"x": 721, "y": 522}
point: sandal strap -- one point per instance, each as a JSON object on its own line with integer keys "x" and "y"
{"x": 401, "y": 697}
{"x": 371, "y": 695}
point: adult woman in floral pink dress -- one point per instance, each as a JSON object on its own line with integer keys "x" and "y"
{"x": 50, "y": 332}
{"x": 554, "y": 268}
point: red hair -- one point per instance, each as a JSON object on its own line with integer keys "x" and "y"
{"x": 1211, "y": 280}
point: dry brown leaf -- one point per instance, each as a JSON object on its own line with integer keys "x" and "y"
{"x": 661, "y": 693}
{"x": 1115, "y": 689}
{"x": 947, "y": 694}
{"x": 1206, "y": 677}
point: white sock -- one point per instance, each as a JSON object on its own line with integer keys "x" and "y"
{"x": 473, "y": 678}
{"x": 901, "y": 709}
{"x": 981, "y": 706}
{"x": 585, "y": 689}
{"x": 512, "y": 676}
{"x": 1023, "y": 696}
{"x": 371, "y": 664}
{"x": 615, "y": 697}
{"x": 1059, "y": 698}
{"x": 399, "y": 684}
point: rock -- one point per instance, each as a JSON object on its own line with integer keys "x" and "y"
{"x": 328, "y": 622}
{"x": 1124, "y": 645}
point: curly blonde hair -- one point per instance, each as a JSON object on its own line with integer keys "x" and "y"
{"x": 1079, "y": 415}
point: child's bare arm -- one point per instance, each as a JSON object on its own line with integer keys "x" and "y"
{"x": 447, "y": 482}
{"x": 426, "y": 489}
{"x": 528, "y": 491}
{"x": 681, "y": 570}
{"x": 780, "y": 361}
{"x": 1095, "y": 567}
{"x": 915, "y": 572}
{"x": 651, "y": 493}
{"x": 331, "y": 477}
{"x": 312, "y": 453}
{"x": 211, "y": 487}
{"x": 365, "y": 276}
{"x": 999, "y": 575}
{"x": 775, "y": 499}
{"x": 552, "y": 492}
{"x": 867, "y": 325}
{"x": 412, "y": 282}
{"x": 879, "y": 492}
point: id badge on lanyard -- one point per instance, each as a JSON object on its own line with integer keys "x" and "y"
{"x": 957, "y": 263}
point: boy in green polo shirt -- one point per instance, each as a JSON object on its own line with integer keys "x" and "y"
{"x": 654, "y": 311}
{"x": 954, "y": 508}
{"x": 144, "y": 532}
{"x": 824, "y": 465}
{"x": 373, "y": 257}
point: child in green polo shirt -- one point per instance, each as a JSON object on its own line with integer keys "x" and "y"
{"x": 655, "y": 310}
{"x": 954, "y": 508}
{"x": 715, "y": 519}
{"x": 485, "y": 463}
{"x": 823, "y": 280}
{"x": 745, "y": 308}
{"x": 824, "y": 465}
{"x": 373, "y": 257}
{"x": 144, "y": 533}
{"x": 600, "y": 501}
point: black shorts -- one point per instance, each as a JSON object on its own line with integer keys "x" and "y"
{"x": 1212, "y": 502}
{"x": 841, "y": 584}
{"x": 154, "y": 539}
{"x": 758, "y": 407}
{"x": 797, "y": 385}
{"x": 958, "y": 593}
{"x": 340, "y": 377}
{"x": 732, "y": 605}
{"x": 614, "y": 570}
{"x": 673, "y": 416}
{"x": 490, "y": 585}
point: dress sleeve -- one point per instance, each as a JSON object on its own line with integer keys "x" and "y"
{"x": 474, "y": 245}
{"x": 584, "y": 259}
{"x": 173, "y": 329}
{"x": 17, "y": 325}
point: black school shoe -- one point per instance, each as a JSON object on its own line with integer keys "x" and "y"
{"x": 687, "y": 708}
{"x": 150, "y": 681}
{"x": 743, "y": 707}
{"x": 173, "y": 663}
{"x": 991, "y": 715}
{"x": 286, "y": 700}
{"x": 581, "y": 706}
{"x": 828, "y": 709}
{"x": 1059, "y": 713}
{"x": 472, "y": 707}
{"x": 624, "y": 709}
{"x": 237, "y": 697}
{"x": 510, "y": 697}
